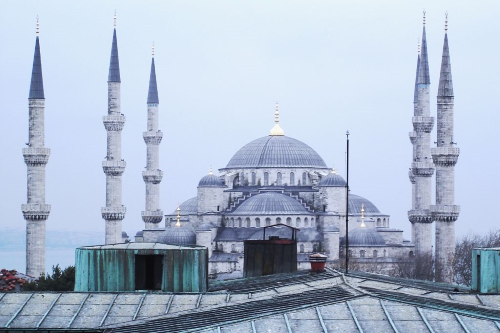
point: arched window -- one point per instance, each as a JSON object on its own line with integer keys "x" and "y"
{"x": 253, "y": 178}
{"x": 375, "y": 253}
{"x": 242, "y": 179}
{"x": 266, "y": 178}
{"x": 315, "y": 247}
{"x": 278, "y": 179}
{"x": 257, "y": 222}
{"x": 304, "y": 179}
{"x": 301, "y": 248}
{"x": 236, "y": 181}
{"x": 247, "y": 221}
{"x": 411, "y": 254}
{"x": 362, "y": 253}
{"x": 233, "y": 248}
{"x": 385, "y": 253}
{"x": 312, "y": 222}
{"x": 232, "y": 222}
{"x": 268, "y": 221}
{"x": 278, "y": 220}
{"x": 378, "y": 222}
{"x": 239, "y": 222}
{"x": 384, "y": 222}
{"x": 292, "y": 178}
{"x": 289, "y": 221}
{"x": 306, "y": 222}
{"x": 221, "y": 248}
{"x": 297, "y": 222}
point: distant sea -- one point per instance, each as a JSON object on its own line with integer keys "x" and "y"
{"x": 60, "y": 248}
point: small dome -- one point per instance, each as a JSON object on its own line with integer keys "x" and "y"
{"x": 188, "y": 207}
{"x": 355, "y": 202}
{"x": 210, "y": 180}
{"x": 139, "y": 233}
{"x": 270, "y": 203}
{"x": 177, "y": 236}
{"x": 333, "y": 179}
{"x": 204, "y": 227}
{"x": 364, "y": 237}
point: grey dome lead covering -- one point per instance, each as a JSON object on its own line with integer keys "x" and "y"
{"x": 114, "y": 63}
{"x": 270, "y": 203}
{"x": 276, "y": 151}
{"x": 333, "y": 180}
{"x": 36, "y": 87}
{"x": 364, "y": 237}
{"x": 210, "y": 181}
{"x": 153, "y": 89}
{"x": 178, "y": 236}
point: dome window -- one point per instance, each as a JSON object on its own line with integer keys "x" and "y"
{"x": 292, "y": 179}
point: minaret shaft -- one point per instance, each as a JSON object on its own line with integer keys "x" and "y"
{"x": 152, "y": 176}
{"x": 36, "y": 156}
{"x": 114, "y": 165}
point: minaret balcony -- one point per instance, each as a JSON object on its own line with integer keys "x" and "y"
{"x": 411, "y": 176}
{"x": 413, "y": 137}
{"x": 445, "y": 213}
{"x": 152, "y": 176}
{"x": 114, "y": 122}
{"x": 113, "y": 213}
{"x": 152, "y": 216}
{"x": 420, "y": 216}
{"x": 445, "y": 156}
{"x": 423, "y": 124}
{"x": 36, "y": 156}
{"x": 152, "y": 138}
{"x": 114, "y": 168}
{"x": 423, "y": 169}
{"x": 35, "y": 212}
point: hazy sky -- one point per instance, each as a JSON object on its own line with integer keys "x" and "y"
{"x": 221, "y": 65}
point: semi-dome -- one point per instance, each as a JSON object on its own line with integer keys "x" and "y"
{"x": 270, "y": 203}
{"x": 364, "y": 237}
{"x": 177, "y": 236}
{"x": 210, "y": 180}
{"x": 333, "y": 180}
{"x": 355, "y": 202}
{"x": 188, "y": 207}
{"x": 276, "y": 151}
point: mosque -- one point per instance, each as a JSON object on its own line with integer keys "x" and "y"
{"x": 273, "y": 180}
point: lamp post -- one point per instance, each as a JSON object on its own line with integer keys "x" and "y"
{"x": 347, "y": 208}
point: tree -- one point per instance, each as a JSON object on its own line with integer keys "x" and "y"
{"x": 60, "y": 280}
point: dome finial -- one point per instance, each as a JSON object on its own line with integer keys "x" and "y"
{"x": 446, "y": 22}
{"x": 114, "y": 19}
{"x": 37, "y": 26}
{"x": 276, "y": 130}
{"x": 210, "y": 172}
{"x": 363, "y": 215}
{"x": 334, "y": 171}
{"x": 178, "y": 224}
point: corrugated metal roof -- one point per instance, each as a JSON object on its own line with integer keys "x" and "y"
{"x": 276, "y": 151}
{"x": 270, "y": 203}
{"x": 36, "y": 87}
{"x": 114, "y": 63}
{"x": 138, "y": 246}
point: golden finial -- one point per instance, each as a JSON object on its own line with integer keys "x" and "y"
{"x": 210, "y": 172}
{"x": 446, "y": 22}
{"x": 363, "y": 215}
{"x": 153, "y": 50}
{"x": 37, "y": 26}
{"x": 424, "y": 16}
{"x": 115, "y": 19}
{"x": 334, "y": 171}
{"x": 276, "y": 130}
{"x": 178, "y": 224}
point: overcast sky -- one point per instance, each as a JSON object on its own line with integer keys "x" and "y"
{"x": 221, "y": 65}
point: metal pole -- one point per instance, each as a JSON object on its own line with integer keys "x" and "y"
{"x": 347, "y": 210}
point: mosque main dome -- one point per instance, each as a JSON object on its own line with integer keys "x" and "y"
{"x": 276, "y": 151}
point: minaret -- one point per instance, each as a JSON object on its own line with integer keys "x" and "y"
{"x": 276, "y": 130}
{"x": 36, "y": 156}
{"x": 445, "y": 156}
{"x": 114, "y": 165}
{"x": 422, "y": 167}
{"x": 152, "y": 175}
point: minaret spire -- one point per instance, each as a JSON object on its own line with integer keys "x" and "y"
{"x": 36, "y": 156}
{"x": 276, "y": 130}
{"x": 445, "y": 157}
{"x": 422, "y": 168}
{"x": 152, "y": 176}
{"x": 114, "y": 165}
